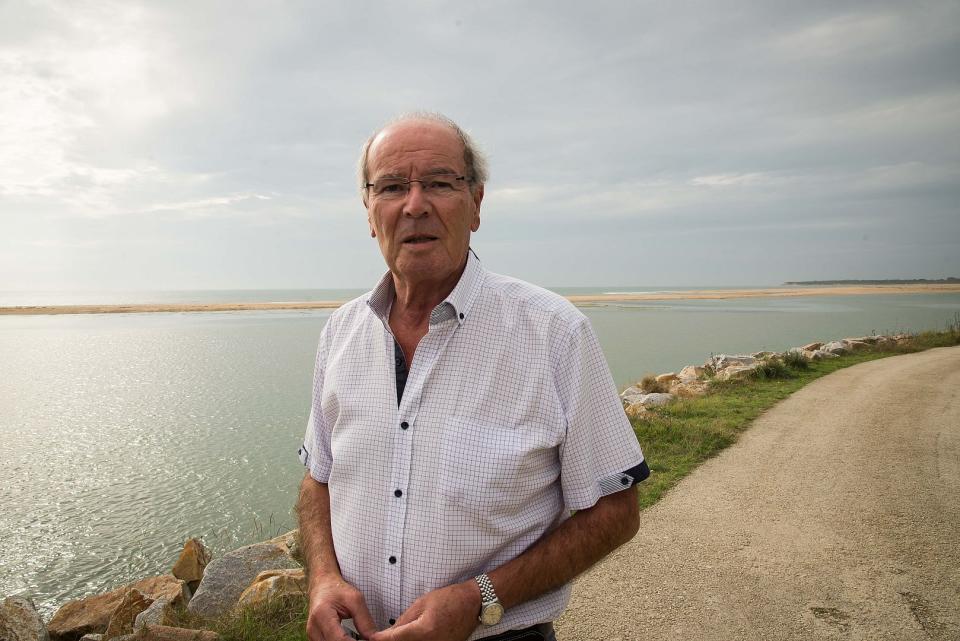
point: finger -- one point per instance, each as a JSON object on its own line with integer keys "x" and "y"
{"x": 362, "y": 619}
{"x": 412, "y": 631}
{"x": 324, "y": 625}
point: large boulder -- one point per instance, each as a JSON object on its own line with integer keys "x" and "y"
{"x": 687, "y": 389}
{"x": 274, "y": 584}
{"x": 737, "y": 372}
{"x": 92, "y": 614}
{"x": 836, "y": 348}
{"x": 636, "y": 410}
{"x": 291, "y": 543}
{"x": 857, "y": 345}
{"x": 812, "y": 347}
{"x": 225, "y": 578}
{"x": 157, "y": 614}
{"x": 691, "y": 373}
{"x": 656, "y": 399}
{"x": 666, "y": 379}
{"x": 20, "y": 621}
{"x": 632, "y": 394}
{"x": 121, "y": 622}
{"x": 721, "y": 362}
{"x": 192, "y": 560}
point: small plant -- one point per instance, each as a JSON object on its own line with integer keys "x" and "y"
{"x": 650, "y": 385}
{"x": 770, "y": 369}
{"x": 795, "y": 360}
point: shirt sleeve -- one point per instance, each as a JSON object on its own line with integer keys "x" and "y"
{"x": 315, "y": 452}
{"x": 599, "y": 454}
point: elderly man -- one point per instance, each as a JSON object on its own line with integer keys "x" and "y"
{"x": 459, "y": 417}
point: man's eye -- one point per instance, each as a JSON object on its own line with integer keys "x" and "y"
{"x": 391, "y": 188}
{"x": 438, "y": 185}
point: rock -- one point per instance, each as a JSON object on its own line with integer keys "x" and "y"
{"x": 857, "y": 345}
{"x": 167, "y": 633}
{"x": 691, "y": 373}
{"x": 870, "y": 340}
{"x": 762, "y": 355}
{"x": 736, "y": 372}
{"x": 225, "y": 579}
{"x": 821, "y": 354}
{"x": 274, "y": 584}
{"x": 91, "y": 637}
{"x": 157, "y": 614}
{"x": 835, "y": 347}
{"x": 193, "y": 559}
{"x": 667, "y": 378}
{"x": 20, "y": 621}
{"x": 689, "y": 388}
{"x": 723, "y": 361}
{"x": 121, "y": 622}
{"x": 884, "y": 342}
{"x": 92, "y": 614}
{"x": 636, "y": 410}
{"x": 812, "y": 347}
{"x": 291, "y": 542}
{"x": 656, "y": 399}
{"x": 632, "y": 394}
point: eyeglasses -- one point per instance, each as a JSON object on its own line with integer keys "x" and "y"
{"x": 435, "y": 185}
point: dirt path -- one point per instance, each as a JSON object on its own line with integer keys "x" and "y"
{"x": 836, "y": 516}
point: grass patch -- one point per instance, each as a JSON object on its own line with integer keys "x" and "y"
{"x": 678, "y": 437}
{"x": 279, "y": 620}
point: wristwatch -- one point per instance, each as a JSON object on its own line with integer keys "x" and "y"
{"x": 490, "y": 609}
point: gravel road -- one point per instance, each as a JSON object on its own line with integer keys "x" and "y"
{"x": 836, "y": 516}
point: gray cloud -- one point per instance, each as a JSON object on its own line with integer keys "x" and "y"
{"x": 213, "y": 144}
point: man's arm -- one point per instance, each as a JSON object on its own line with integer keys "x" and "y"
{"x": 450, "y": 613}
{"x": 331, "y": 598}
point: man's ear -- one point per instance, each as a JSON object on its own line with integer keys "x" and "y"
{"x": 477, "y": 199}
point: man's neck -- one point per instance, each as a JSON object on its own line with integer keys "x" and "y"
{"x": 415, "y": 300}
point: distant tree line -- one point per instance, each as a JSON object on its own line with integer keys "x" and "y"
{"x": 890, "y": 281}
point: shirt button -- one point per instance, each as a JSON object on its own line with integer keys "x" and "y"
{"x": 404, "y": 425}
{"x": 624, "y": 481}
{"x": 392, "y": 560}
{"x": 461, "y": 316}
{"x": 392, "y": 621}
{"x": 398, "y": 493}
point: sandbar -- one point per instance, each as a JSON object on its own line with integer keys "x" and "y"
{"x": 588, "y": 299}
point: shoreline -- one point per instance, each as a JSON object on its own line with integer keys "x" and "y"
{"x": 585, "y": 299}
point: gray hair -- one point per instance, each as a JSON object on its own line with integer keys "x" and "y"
{"x": 474, "y": 159}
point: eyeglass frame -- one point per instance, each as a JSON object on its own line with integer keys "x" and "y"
{"x": 406, "y": 181}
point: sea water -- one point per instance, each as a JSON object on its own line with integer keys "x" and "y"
{"x": 123, "y": 434}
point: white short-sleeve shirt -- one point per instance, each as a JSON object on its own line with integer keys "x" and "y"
{"x": 509, "y": 420}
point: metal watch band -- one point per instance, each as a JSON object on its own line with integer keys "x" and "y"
{"x": 486, "y": 588}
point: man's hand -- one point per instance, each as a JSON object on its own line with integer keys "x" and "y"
{"x": 447, "y": 614}
{"x": 331, "y": 601}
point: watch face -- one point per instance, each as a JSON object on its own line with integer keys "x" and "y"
{"x": 491, "y": 614}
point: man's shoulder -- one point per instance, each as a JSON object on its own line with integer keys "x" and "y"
{"x": 527, "y": 297}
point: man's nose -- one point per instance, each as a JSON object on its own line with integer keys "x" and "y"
{"x": 416, "y": 203}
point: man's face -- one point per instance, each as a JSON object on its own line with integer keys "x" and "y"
{"x": 422, "y": 236}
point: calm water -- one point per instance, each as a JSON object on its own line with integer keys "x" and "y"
{"x": 121, "y": 435}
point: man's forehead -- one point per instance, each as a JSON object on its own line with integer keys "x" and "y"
{"x": 416, "y": 141}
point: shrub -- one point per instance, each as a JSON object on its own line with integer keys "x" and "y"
{"x": 795, "y": 360}
{"x": 772, "y": 368}
{"x": 650, "y": 385}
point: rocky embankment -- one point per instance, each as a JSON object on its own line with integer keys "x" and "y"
{"x": 695, "y": 380}
{"x": 143, "y": 610}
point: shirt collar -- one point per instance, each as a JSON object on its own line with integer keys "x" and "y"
{"x": 456, "y": 305}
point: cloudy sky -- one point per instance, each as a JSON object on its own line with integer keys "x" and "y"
{"x": 166, "y": 145}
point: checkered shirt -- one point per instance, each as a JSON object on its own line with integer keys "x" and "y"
{"x": 509, "y": 420}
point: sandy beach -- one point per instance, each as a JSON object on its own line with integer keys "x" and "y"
{"x": 703, "y": 294}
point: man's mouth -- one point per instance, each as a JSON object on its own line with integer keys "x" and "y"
{"x": 419, "y": 239}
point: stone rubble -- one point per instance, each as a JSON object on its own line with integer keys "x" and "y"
{"x": 695, "y": 380}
